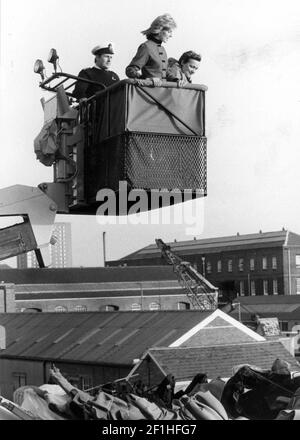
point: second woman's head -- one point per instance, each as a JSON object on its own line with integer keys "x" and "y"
{"x": 189, "y": 62}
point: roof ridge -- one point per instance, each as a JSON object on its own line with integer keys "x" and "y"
{"x": 213, "y": 240}
{"x": 239, "y": 236}
{"x": 216, "y": 345}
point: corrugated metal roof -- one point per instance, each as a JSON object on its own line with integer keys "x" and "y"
{"x": 178, "y": 290}
{"x": 185, "y": 363}
{"x": 87, "y": 275}
{"x": 274, "y": 308}
{"x": 270, "y": 299}
{"x": 93, "y": 337}
{"x": 242, "y": 241}
{"x": 90, "y": 287}
{"x": 284, "y": 307}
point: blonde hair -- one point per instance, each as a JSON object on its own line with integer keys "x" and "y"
{"x": 161, "y": 22}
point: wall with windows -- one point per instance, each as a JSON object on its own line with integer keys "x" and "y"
{"x": 292, "y": 270}
{"x": 270, "y": 263}
{"x": 257, "y": 270}
{"x": 7, "y": 298}
{"x": 257, "y": 286}
{"x": 128, "y": 303}
{"x": 14, "y": 373}
{"x": 244, "y": 271}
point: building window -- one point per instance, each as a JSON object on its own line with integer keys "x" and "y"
{"x": 264, "y": 263}
{"x": 275, "y": 287}
{"x": 242, "y": 288}
{"x": 208, "y": 267}
{"x": 135, "y": 307}
{"x": 252, "y": 264}
{"x": 111, "y": 308}
{"x": 19, "y": 380}
{"x": 298, "y": 286}
{"x": 284, "y": 326}
{"x": 229, "y": 265}
{"x": 183, "y": 306}
{"x": 298, "y": 261}
{"x": 241, "y": 264}
{"x": 154, "y": 306}
{"x": 86, "y": 382}
{"x": 274, "y": 263}
{"x": 219, "y": 266}
{"x": 265, "y": 287}
{"x": 60, "y": 309}
{"x": 80, "y": 308}
{"x": 252, "y": 288}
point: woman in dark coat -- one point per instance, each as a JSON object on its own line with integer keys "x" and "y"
{"x": 151, "y": 61}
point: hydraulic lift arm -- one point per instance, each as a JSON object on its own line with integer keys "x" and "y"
{"x": 38, "y": 212}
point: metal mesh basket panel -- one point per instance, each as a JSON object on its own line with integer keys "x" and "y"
{"x": 155, "y": 161}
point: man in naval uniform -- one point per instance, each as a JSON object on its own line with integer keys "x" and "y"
{"x": 99, "y": 73}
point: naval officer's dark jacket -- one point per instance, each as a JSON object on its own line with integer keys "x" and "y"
{"x": 85, "y": 90}
{"x": 151, "y": 58}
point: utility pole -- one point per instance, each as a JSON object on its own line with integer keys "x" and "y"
{"x": 104, "y": 249}
{"x": 239, "y": 310}
{"x": 203, "y": 266}
{"x": 142, "y": 296}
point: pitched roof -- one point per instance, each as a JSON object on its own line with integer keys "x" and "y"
{"x": 270, "y": 299}
{"x": 114, "y": 338}
{"x": 96, "y": 290}
{"x": 86, "y": 293}
{"x": 281, "y": 306}
{"x": 86, "y": 275}
{"x": 263, "y": 239}
{"x": 185, "y": 363}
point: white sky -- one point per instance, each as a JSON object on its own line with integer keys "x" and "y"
{"x": 251, "y": 65}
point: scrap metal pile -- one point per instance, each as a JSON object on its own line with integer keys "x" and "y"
{"x": 251, "y": 393}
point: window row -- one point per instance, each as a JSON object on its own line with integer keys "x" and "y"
{"x": 79, "y": 308}
{"x": 241, "y": 264}
{"x": 135, "y": 307}
{"x": 269, "y": 287}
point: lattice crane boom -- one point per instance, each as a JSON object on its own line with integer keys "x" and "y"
{"x": 200, "y": 292}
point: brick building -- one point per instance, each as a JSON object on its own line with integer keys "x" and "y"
{"x": 96, "y": 289}
{"x": 253, "y": 264}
